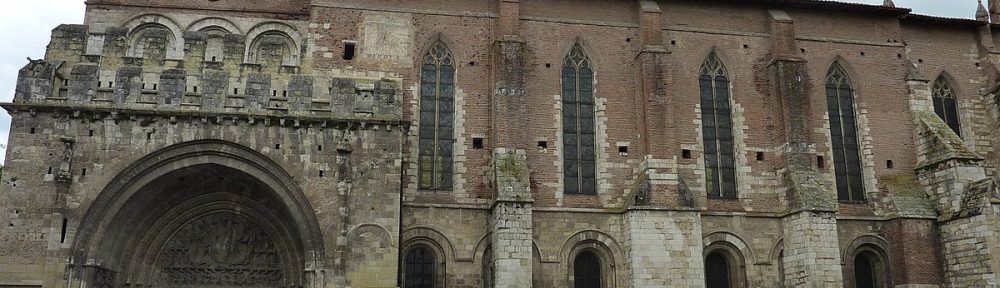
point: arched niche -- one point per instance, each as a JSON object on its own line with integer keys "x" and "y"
{"x": 196, "y": 211}
{"x": 154, "y": 26}
{"x": 273, "y": 43}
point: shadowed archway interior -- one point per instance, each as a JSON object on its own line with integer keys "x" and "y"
{"x": 205, "y": 225}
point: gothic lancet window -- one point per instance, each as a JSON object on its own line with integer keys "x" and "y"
{"x": 716, "y": 126}
{"x": 419, "y": 268}
{"x": 437, "y": 113}
{"x": 578, "y": 123}
{"x": 944, "y": 104}
{"x": 844, "y": 135}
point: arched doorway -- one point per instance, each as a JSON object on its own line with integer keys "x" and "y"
{"x": 587, "y": 270}
{"x": 418, "y": 267}
{"x": 717, "y": 272}
{"x": 199, "y": 214}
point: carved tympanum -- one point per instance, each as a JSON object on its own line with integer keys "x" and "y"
{"x": 220, "y": 250}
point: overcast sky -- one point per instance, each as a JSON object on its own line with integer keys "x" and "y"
{"x": 25, "y": 27}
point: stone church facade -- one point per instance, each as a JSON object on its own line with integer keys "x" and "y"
{"x": 505, "y": 143}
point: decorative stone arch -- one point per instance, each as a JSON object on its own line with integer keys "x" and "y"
{"x": 136, "y": 25}
{"x": 278, "y": 207}
{"x": 291, "y": 37}
{"x": 588, "y": 50}
{"x": 214, "y": 23}
{"x": 719, "y": 53}
{"x": 434, "y": 240}
{"x": 873, "y": 247}
{"x": 738, "y": 255}
{"x": 606, "y": 249}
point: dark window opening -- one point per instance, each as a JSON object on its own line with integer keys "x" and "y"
{"x": 284, "y": 93}
{"x": 820, "y": 162}
{"x": 154, "y": 86}
{"x": 579, "y": 154}
{"x": 149, "y": 136}
{"x": 277, "y": 146}
{"x": 320, "y": 173}
{"x": 32, "y": 130}
{"x": 587, "y": 271}
{"x": 236, "y": 91}
{"x": 349, "y": 48}
{"x": 419, "y": 268}
{"x": 543, "y": 145}
{"x": 760, "y": 156}
{"x": 686, "y": 154}
{"x": 717, "y": 271}
{"x": 945, "y": 105}
{"x": 477, "y": 143}
{"x": 844, "y": 136}
{"x": 437, "y": 117}
{"x": 628, "y": 39}
{"x": 62, "y": 235}
{"x": 319, "y": 147}
{"x": 90, "y": 132}
{"x": 83, "y": 172}
{"x": 745, "y": 46}
{"x": 716, "y": 127}
{"x": 623, "y": 150}
{"x": 195, "y": 89}
{"x": 888, "y": 164}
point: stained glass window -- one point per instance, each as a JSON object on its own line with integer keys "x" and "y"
{"x": 717, "y": 131}
{"x": 578, "y": 123}
{"x": 944, "y": 104}
{"x": 437, "y": 117}
{"x": 844, "y": 135}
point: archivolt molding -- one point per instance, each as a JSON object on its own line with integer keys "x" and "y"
{"x": 428, "y": 236}
{"x": 214, "y": 22}
{"x": 871, "y": 240}
{"x": 732, "y": 240}
{"x": 592, "y": 236}
{"x": 143, "y": 171}
{"x": 138, "y": 23}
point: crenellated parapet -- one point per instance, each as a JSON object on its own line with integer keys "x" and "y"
{"x": 140, "y": 71}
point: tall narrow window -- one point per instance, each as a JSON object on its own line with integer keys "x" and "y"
{"x": 419, "y": 268}
{"x": 587, "y": 271}
{"x": 844, "y": 135}
{"x": 437, "y": 111}
{"x": 944, "y": 104}
{"x": 578, "y": 123}
{"x": 716, "y": 126}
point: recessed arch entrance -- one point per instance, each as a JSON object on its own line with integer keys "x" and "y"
{"x": 199, "y": 214}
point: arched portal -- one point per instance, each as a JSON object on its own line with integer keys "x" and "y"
{"x": 199, "y": 214}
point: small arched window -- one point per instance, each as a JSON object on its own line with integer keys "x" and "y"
{"x": 587, "y": 270}
{"x": 579, "y": 171}
{"x": 844, "y": 135}
{"x": 717, "y": 131}
{"x": 419, "y": 268}
{"x": 944, "y": 104}
{"x": 437, "y": 117}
